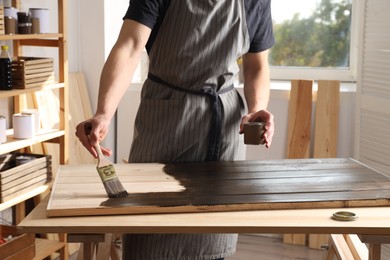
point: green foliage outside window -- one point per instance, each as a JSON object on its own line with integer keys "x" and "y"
{"x": 321, "y": 40}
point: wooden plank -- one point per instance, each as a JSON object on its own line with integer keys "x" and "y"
{"x": 299, "y": 119}
{"x": 327, "y": 119}
{"x": 27, "y": 185}
{"x": 11, "y": 249}
{"x": 358, "y": 249}
{"x": 325, "y": 133}
{"x": 179, "y": 190}
{"x": 299, "y": 130}
{"x": 79, "y": 110}
{"x": 83, "y": 90}
{"x": 48, "y": 104}
{"x": 341, "y": 248}
{"x": 36, "y": 175}
{"x": 371, "y": 221}
{"x": 44, "y": 248}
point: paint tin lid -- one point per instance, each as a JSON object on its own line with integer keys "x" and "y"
{"x": 344, "y": 216}
{"x": 254, "y": 123}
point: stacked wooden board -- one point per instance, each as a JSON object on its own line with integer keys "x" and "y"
{"x": 19, "y": 179}
{"x": 29, "y": 72}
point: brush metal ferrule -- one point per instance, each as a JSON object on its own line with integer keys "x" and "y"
{"x": 106, "y": 173}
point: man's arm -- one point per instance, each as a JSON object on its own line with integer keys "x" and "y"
{"x": 115, "y": 78}
{"x": 257, "y": 91}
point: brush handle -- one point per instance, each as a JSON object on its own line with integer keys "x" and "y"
{"x": 99, "y": 152}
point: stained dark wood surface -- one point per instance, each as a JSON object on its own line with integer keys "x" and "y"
{"x": 221, "y": 186}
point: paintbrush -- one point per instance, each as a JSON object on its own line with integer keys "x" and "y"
{"x": 107, "y": 173}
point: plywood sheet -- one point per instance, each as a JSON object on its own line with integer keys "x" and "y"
{"x": 220, "y": 186}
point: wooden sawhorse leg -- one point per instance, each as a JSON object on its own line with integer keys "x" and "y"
{"x": 346, "y": 247}
{"x": 95, "y": 246}
{"x": 375, "y": 244}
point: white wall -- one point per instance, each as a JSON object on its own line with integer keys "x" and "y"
{"x": 93, "y": 29}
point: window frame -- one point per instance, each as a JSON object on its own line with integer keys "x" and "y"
{"x": 344, "y": 75}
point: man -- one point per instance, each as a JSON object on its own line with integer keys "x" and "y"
{"x": 189, "y": 110}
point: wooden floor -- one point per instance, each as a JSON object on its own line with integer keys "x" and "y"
{"x": 260, "y": 247}
{"x": 272, "y": 248}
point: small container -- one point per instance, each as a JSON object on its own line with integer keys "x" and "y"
{"x": 24, "y": 28}
{"x": 35, "y": 26}
{"x": 35, "y": 114}
{"x": 253, "y": 133}
{"x": 24, "y": 23}
{"x": 23, "y": 126}
{"x": 42, "y": 14}
{"x": 10, "y": 25}
{"x": 24, "y": 17}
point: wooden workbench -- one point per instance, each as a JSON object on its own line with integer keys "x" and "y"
{"x": 371, "y": 221}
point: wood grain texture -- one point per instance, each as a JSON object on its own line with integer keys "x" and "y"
{"x": 327, "y": 119}
{"x": 299, "y": 132}
{"x": 79, "y": 110}
{"x": 325, "y": 133}
{"x": 371, "y": 221}
{"x": 299, "y": 119}
{"x": 220, "y": 186}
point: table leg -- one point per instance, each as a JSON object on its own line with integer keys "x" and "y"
{"x": 375, "y": 251}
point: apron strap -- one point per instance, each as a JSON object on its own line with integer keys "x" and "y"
{"x": 214, "y": 147}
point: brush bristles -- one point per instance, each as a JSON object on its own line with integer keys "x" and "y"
{"x": 113, "y": 186}
{"x": 115, "y": 189}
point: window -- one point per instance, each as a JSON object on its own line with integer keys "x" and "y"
{"x": 315, "y": 39}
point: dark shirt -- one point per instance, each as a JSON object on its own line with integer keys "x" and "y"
{"x": 258, "y": 19}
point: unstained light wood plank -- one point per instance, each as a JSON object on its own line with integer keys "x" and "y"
{"x": 325, "y": 133}
{"x": 299, "y": 131}
{"x": 299, "y": 119}
{"x": 327, "y": 119}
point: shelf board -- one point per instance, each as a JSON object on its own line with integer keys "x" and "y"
{"x": 28, "y": 195}
{"x": 5, "y": 37}
{"x": 44, "y": 248}
{"x": 16, "y": 144}
{"x": 17, "y": 92}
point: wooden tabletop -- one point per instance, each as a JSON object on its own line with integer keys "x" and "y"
{"x": 220, "y": 186}
{"x": 283, "y": 190}
{"x": 370, "y": 221}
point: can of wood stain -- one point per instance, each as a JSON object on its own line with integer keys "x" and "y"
{"x": 253, "y": 133}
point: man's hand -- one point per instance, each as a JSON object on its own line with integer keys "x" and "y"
{"x": 261, "y": 116}
{"x": 91, "y": 132}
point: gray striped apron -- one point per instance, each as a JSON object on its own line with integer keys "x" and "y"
{"x": 189, "y": 110}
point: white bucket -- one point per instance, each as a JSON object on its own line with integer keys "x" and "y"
{"x": 43, "y": 15}
{"x": 37, "y": 119}
{"x": 23, "y": 126}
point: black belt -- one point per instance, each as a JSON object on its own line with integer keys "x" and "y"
{"x": 216, "y": 108}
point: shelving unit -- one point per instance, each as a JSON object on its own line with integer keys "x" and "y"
{"x": 59, "y": 135}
